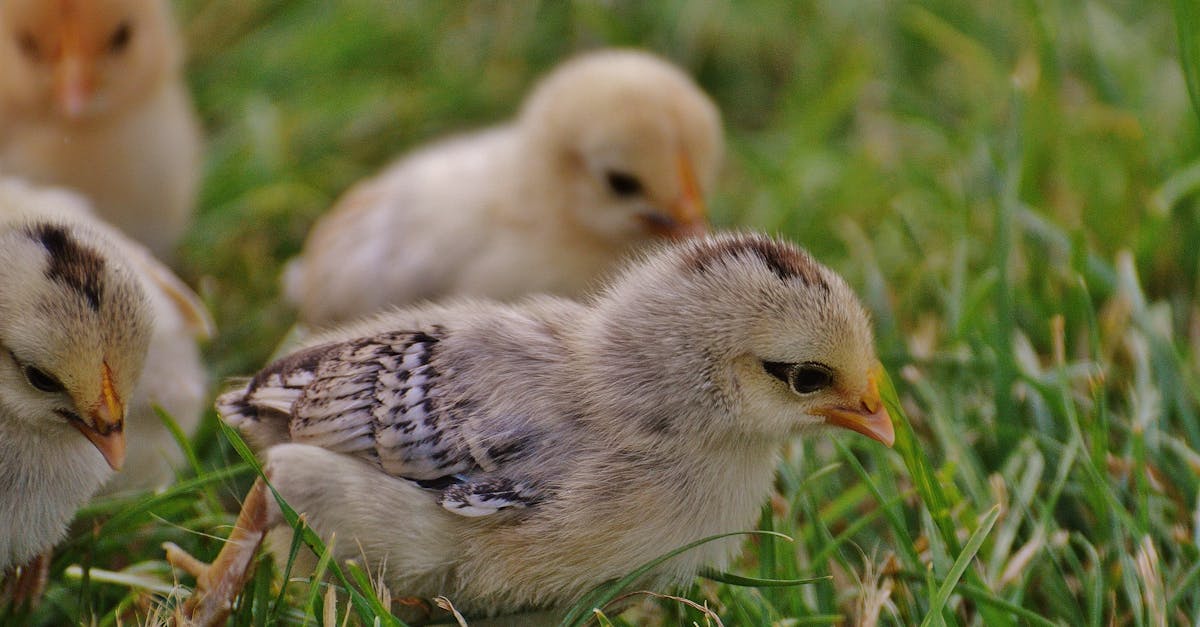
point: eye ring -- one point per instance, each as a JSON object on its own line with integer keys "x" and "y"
{"x": 42, "y": 381}
{"x": 803, "y": 378}
{"x": 623, "y": 184}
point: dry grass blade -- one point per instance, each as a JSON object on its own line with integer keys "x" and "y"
{"x": 445, "y": 604}
{"x": 710, "y": 617}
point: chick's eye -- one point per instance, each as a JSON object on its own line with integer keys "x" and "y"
{"x": 810, "y": 377}
{"x": 28, "y": 45}
{"x": 120, "y": 37}
{"x": 41, "y": 380}
{"x": 804, "y": 378}
{"x": 623, "y": 184}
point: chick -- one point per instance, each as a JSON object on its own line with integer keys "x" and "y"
{"x": 514, "y": 456}
{"x": 174, "y": 377}
{"x": 75, "y": 325}
{"x": 93, "y": 99}
{"x": 611, "y": 151}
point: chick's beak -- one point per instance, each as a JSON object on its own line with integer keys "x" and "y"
{"x": 105, "y": 426}
{"x": 74, "y": 82}
{"x": 73, "y": 88}
{"x": 869, "y": 417}
{"x": 686, "y": 215}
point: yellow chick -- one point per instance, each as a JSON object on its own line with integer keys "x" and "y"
{"x": 613, "y": 150}
{"x": 92, "y": 98}
{"x": 174, "y": 377}
{"x": 75, "y": 326}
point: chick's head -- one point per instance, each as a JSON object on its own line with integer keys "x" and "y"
{"x": 633, "y": 140}
{"x": 78, "y": 60}
{"x": 74, "y": 330}
{"x": 747, "y": 336}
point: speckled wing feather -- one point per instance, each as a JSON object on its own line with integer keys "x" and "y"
{"x": 376, "y": 398}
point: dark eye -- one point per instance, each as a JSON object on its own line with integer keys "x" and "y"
{"x": 39, "y": 379}
{"x": 810, "y": 377}
{"x": 120, "y": 37}
{"x": 623, "y": 184}
{"x": 28, "y": 46}
{"x": 804, "y": 378}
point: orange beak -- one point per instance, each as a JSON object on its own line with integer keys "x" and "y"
{"x": 869, "y": 417}
{"x": 106, "y": 431}
{"x": 685, "y": 217}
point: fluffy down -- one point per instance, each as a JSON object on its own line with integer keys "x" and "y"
{"x": 511, "y": 457}
{"x": 92, "y": 98}
{"x": 611, "y": 152}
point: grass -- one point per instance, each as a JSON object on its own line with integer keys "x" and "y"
{"x": 1012, "y": 188}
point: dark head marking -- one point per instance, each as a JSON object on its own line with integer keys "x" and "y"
{"x": 71, "y": 263}
{"x": 782, "y": 259}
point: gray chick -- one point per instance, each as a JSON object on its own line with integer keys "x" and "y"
{"x": 511, "y": 457}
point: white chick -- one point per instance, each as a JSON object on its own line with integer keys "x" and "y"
{"x": 512, "y": 457}
{"x": 611, "y": 151}
{"x": 174, "y": 377}
{"x": 93, "y": 99}
{"x": 74, "y": 329}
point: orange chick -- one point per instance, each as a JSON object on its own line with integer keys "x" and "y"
{"x": 92, "y": 98}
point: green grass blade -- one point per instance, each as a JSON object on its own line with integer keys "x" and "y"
{"x": 980, "y": 595}
{"x": 858, "y": 525}
{"x": 184, "y": 488}
{"x": 181, "y": 438}
{"x": 314, "y": 590}
{"x": 929, "y": 486}
{"x": 1187, "y": 22}
{"x": 756, "y": 582}
{"x": 259, "y": 600}
{"x": 293, "y": 551}
{"x": 766, "y": 547}
{"x": 912, "y": 451}
{"x": 1186, "y": 583}
{"x": 189, "y": 453}
{"x": 601, "y": 619}
{"x": 581, "y": 611}
{"x": 367, "y": 606}
{"x": 960, "y": 565}
{"x": 363, "y": 583}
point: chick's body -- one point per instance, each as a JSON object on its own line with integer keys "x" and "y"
{"x": 439, "y": 223}
{"x": 592, "y": 489}
{"x": 74, "y": 330}
{"x": 612, "y": 151}
{"x": 175, "y": 380}
{"x": 513, "y": 456}
{"x": 45, "y": 476}
{"x": 93, "y": 99}
{"x": 174, "y": 377}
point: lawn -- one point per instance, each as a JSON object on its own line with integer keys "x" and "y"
{"x": 1010, "y": 186}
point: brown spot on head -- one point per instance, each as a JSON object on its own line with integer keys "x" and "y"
{"x": 71, "y": 263}
{"x": 784, "y": 260}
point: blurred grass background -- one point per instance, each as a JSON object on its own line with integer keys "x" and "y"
{"x": 1011, "y": 186}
